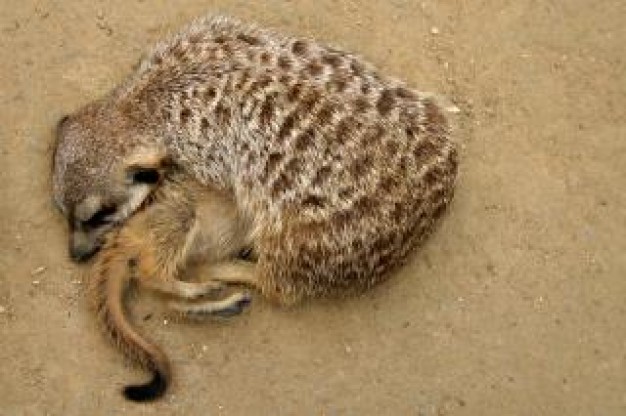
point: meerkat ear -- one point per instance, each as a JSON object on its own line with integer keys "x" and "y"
{"x": 147, "y": 166}
{"x": 61, "y": 123}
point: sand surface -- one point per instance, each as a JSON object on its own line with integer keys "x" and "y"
{"x": 516, "y": 306}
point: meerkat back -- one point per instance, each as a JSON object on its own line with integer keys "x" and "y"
{"x": 342, "y": 170}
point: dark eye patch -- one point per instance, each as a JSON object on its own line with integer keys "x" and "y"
{"x": 149, "y": 176}
{"x": 100, "y": 217}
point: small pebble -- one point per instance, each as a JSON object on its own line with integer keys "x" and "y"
{"x": 434, "y": 30}
{"x": 165, "y": 322}
{"x": 36, "y": 282}
{"x": 453, "y": 109}
{"x": 205, "y": 348}
{"x": 2, "y": 309}
{"x": 38, "y": 270}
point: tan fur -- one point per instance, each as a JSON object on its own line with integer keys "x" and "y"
{"x": 151, "y": 249}
{"x": 334, "y": 171}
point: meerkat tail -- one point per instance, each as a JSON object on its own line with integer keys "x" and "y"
{"x": 109, "y": 286}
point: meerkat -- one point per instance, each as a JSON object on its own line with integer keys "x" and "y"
{"x": 336, "y": 171}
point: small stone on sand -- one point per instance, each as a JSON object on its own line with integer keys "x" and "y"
{"x": 38, "y": 270}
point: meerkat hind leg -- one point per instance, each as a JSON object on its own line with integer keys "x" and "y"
{"x": 232, "y": 305}
{"x": 234, "y": 272}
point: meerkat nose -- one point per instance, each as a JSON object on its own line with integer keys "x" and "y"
{"x": 80, "y": 253}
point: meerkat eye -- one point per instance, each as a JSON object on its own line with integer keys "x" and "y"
{"x": 148, "y": 176}
{"x": 100, "y": 217}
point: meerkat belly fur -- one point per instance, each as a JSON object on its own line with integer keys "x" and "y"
{"x": 335, "y": 171}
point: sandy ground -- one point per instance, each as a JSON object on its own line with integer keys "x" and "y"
{"x": 514, "y": 307}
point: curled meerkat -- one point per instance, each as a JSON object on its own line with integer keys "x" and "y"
{"x": 335, "y": 170}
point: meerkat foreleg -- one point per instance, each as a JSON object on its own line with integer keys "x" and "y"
{"x": 234, "y": 272}
{"x": 184, "y": 290}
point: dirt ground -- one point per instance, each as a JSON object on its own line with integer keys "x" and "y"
{"x": 514, "y": 307}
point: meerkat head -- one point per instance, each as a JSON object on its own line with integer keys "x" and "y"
{"x": 103, "y": 171}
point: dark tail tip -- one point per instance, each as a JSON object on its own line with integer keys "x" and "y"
{"x": 149, "y": 391}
